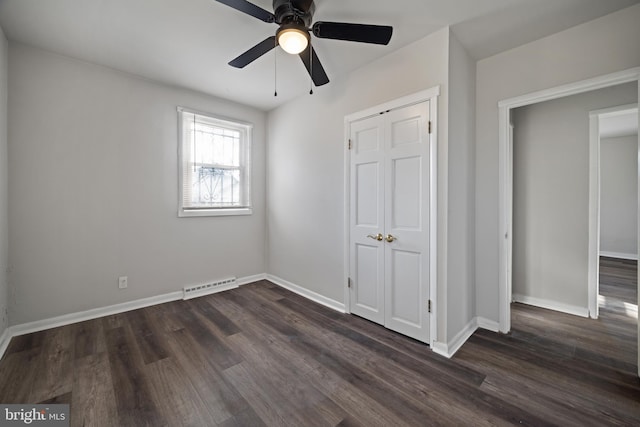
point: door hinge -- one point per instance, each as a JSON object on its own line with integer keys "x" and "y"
{"x": 350, "y": 145}
{"x": 429, "y": 126}
{"x": 349, "y": 282}
{"x": 429, "y": 305}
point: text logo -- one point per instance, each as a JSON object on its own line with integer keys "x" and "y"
{"x": 34, "y": 415}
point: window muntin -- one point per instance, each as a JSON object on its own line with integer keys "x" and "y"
{"x": 215, "y": 169}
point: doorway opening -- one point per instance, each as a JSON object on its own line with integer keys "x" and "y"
{"x": 613, "y": 139}
{"x": 506, "y": 183}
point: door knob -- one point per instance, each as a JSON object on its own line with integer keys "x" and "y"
{"x": 377, "y": 237}
{"x": 390, "y": 238}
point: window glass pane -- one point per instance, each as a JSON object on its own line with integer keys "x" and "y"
{"x": 214, "y": 186}
{"x": 216, "y": 146}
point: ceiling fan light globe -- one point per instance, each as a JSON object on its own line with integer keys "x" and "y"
{"x": 293, "y": 40}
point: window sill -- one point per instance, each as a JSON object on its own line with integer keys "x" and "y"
{"x": 185, "y": 213}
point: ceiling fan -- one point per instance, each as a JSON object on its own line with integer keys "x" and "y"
{"x": 294, "y": 18}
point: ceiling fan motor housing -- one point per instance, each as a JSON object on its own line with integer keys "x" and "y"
{"x": 293, "y": 12}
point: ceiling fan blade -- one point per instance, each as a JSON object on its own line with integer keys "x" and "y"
{"x": 315, "y": 68}
{"x": 376, "y": 34}
{"x": 254, "y": 53}
{"x": 250, "y": 9}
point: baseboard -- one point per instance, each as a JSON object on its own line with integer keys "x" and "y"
{"x": 619, "y": 255}
{"x": 489, "y": 325}
{"x": 251, "y": 279}
{"x": 551, "y": 305}
{"x": 442, "y": 349}
{"x": 4, "y": 341}
{"x": 449, "y": 349}
{"x": 313, "y": 296}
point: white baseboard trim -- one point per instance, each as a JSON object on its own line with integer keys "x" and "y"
{"x": 619, "y": 255}
{"x": 489, "y": 325}
{"x": 442, "y": 349}
{"x": 313, "y": 296}
{"x": 251, "y": 279}
{"x": 4, "y": 341}
{"x": 462, "y": 336}
{"x": 552, "y": 305}
{"x": 449, "y": 349}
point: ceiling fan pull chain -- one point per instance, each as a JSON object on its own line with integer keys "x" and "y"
{"x": 311, "y": 68}
{"x": 275, "y": 69}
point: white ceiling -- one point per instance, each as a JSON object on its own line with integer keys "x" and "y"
{"x": 188, "y": 43}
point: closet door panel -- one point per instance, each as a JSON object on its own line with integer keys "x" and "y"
{"x": 407, "y": 221}
{"x": 366, "y": 249}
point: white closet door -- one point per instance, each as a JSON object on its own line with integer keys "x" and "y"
{"x": 407, "y": 221}
{"x": 389, "y": 235}
{"x": 367, "y": 219}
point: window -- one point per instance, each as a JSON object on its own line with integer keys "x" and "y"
{"x": 214, "y": 168}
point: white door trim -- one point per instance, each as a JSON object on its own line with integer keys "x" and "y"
{"x": 506, "y": 180}
{"x": 594, "y": 199}
{"x": 430, "y": 95}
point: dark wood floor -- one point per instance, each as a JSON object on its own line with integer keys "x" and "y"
{"x": 260, "y": 355}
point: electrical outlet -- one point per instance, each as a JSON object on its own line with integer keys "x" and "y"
{"x": 122, "y": 282}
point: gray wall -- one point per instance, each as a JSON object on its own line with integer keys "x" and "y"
{"x": 93, "y": 190}
{"x": 4, "y": 228}
{"x": 551, "y": 194}
{"x": 306, "y": 166}
{"x": 461, "y": 295}
{"x": 581, "y": 52}
{"x": 619, "y": 195}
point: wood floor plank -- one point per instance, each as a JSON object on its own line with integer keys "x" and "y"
{"x": 164, "y": 316}
{"x": 88, "y": 338}
{"x": 208, "y": 339}
{"x": 17, "y": 374}
{"x": 305, "y": 404}
{"x": 55, "y": 375}
{"x": 25, "y": 342}
{"x": 114, "y": 321}
{"x": 269, "y": 410}
{"x": 147, "y": 337}
{"x": 247, "y": 417}
{"x": 222, "y": 399}
{"x": 93, "y": 401}
{"x": 133, "y": 398}
{"x": 358, "y": 403}
{"x": 222, "y": 322}
{"x": 57, "y": 400}
{"x": 168, "y": 383}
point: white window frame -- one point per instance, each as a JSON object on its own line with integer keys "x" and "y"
{"x": 246, "y": 130}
